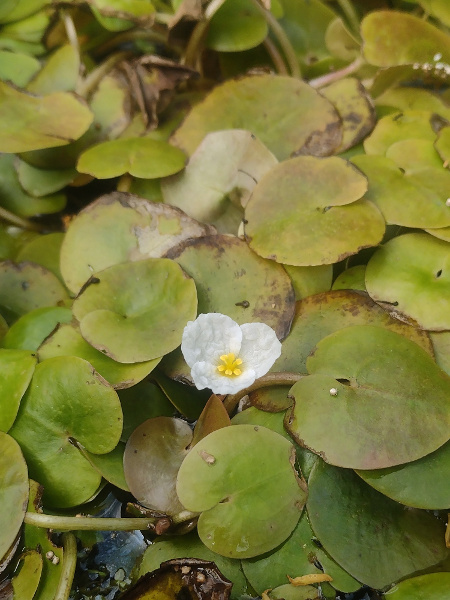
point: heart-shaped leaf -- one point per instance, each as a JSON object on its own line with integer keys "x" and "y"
{"x": 354, "y": 523}
{"x": 141, "y": 157}
{"x": 67, "y": 399}
{"x": 239, "y": 521}
{"x": 137, "y": 311}
{"x": 410, "y": 278}
{"x": 13, "y": 491}
{"x": 16, "y": 370}
{"x": 314, "y": 203}
{"x": 352, "y": 382}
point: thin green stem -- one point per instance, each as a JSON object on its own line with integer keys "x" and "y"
{"x": 276, "y": 57}
{"x": 61, "y": 523}
{"x": 68, "y": 567}
{"x": 10, "y": 217}
{"x": 71, "y": 31}
{"x": 351, "y": 15}
{"x": 198, "y": 34}
{"x": 232, "y": 400}
{"x": 324, "y": 80}
{"x": 282, "y": 39}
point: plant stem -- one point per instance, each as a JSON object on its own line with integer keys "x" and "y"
{"x": 324, "y": 80}
{"x": 68, "y": 566}
{"x": 10, "y": 217}
{"x": 61, "y": 523}
{"x": 276, "y": 57}
{"x": 131, "y": 36}
{"x": 71, "y": 31}
{"x": 282, "y": 39}
{"x": 232, "y": 400}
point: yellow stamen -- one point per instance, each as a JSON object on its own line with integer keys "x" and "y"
{"x": 230, "y": 366}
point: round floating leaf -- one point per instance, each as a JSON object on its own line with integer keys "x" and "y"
{"x": 304, "y": 212}
{"x": 152, "y": 458}
{"x": 318, "y": 316}
{"x": 31, "y": 122}
{"x": 66, "y": 400}
{"x": 109, "y": 466}
{"x": 16, "y": 370}
{"x": 13, "y": 491}
{"x": 411, "y": 410}
{"x": 40, "y": 182}
{"x": 442, "y": 144}
{"x": 310, "y": 280}
{"x": 289, "y": 592}
{"x": 60, "y": 72}
{"x": 27, "y": 286}
{"x": 403, "y": 198}
{"x": 28, "y": 332}
{"x": 239, "y": 521}
{"x": 413, "y": 98}
{"x": 441, "y": 346}
{"x": 298, "y": 555}
{"x": 119, "y": 227}
{"x": 17, "y": 68}
{"x": 43, "y": 250}
{"x": 285, "y": 113}
{"x": 137, "y": 311}
{"x": 351, "y": 279}
{"x": 189, "y": 546}
{"x": 141, "y": 157}
{"x": 423, "y": 483}
{"x": 410, "y": 124}
{"x": 26, "y": 581}
{"x": 16, "y": 200}
{"x": 441, "y": 234}
{"x": 356, "y": 108}
{"x": 219, "y": 178}
{"x": 432, "y": 586}
{"x": 234, "y": 281}
{"x": 354, "y": 523}
{"x": 68, "y": 341}
{"x": 410, "y": 277}
{"x": 238, "y": 25}
{"x": 397, "y": 38}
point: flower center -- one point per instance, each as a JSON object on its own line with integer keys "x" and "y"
{"x": 231, "y": 364}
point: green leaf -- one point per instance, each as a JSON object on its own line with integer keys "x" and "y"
{"x": 141, "y": 157}
{"x": 237, "y": 25}
{"x": 308, "y": 211}
{"x": 298, "y": 555}
{"x": 67, "y": 399}
{"x": 41, "y": 182}
{"x": 410, "y": 278}
{"x": 354, "y": 523}
{"x": 232, "y": 280}
{"x": 432, "y": 586}
{"x": 31, "y": 329}
{"x": 119, "y": 227}
{"x": 27, "y": 286}
{"x": 318, "y": 316}
{"x": 137, "y": 311}
{"x": 423, "y": 483}
{"x": 17, "y": 68}
{"x": 68, "y": 341}
{"x": 26, "y": 579}
{"x": 238, "y": 520}
{"x": 59, "y": 74}
{"x": 411, "y": 410}
{"x": 286, "y": 114}
{"x": 31, "y": 122}
{"x": 16, "y": 371}
{"x": 43, "y": 250}
{"x": 13, "y": 491}
{"x": 397, "y": 38}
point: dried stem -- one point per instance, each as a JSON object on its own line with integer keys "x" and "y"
{"x": 324, "y": 80}
{"x": 88, "y": 85}
{"x": 14, "y": 219}
{"x": 232, "y": 400}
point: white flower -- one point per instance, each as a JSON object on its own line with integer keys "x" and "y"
{"x": 226, "y": 357}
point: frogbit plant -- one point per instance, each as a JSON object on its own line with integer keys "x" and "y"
{"x": 226, "y": 357}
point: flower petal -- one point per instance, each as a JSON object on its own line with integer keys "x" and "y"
{"x": 206, "y": 375}
{"x": 208, "y": 337}
{"x": 260, "y": 347}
